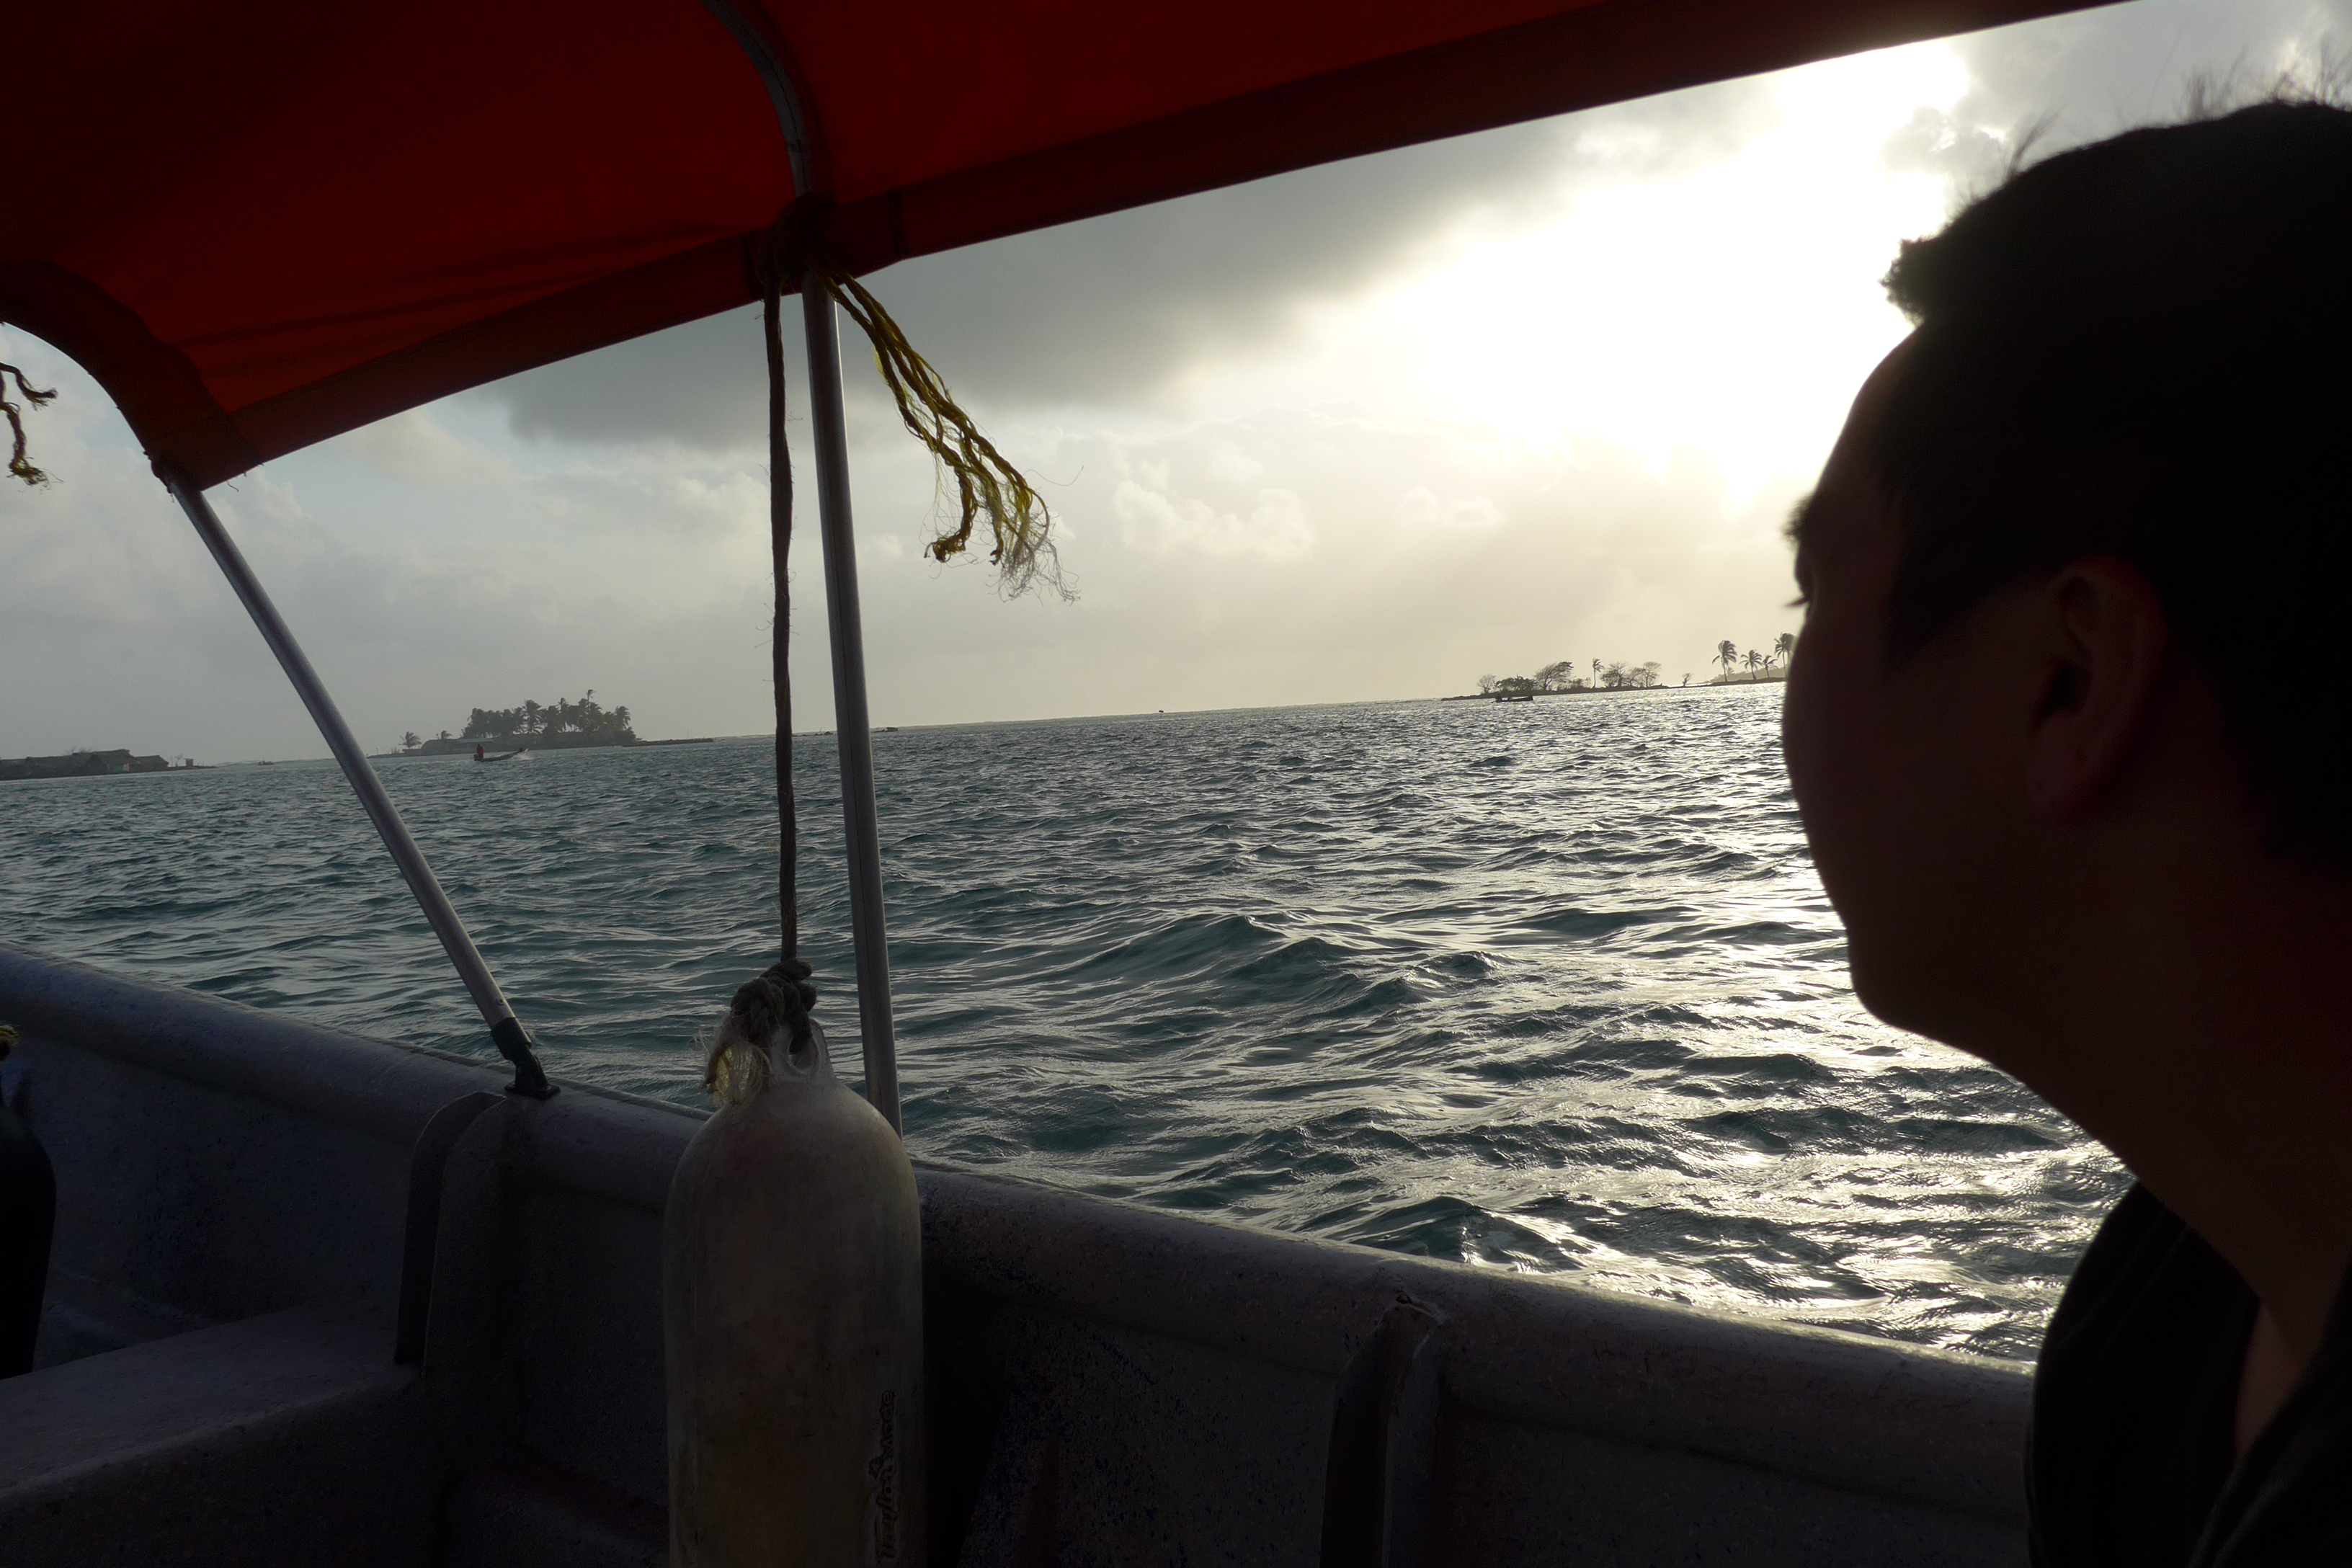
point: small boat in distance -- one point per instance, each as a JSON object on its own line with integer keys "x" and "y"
{"x": 500, "y": 756}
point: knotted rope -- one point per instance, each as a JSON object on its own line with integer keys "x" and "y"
{"x": 19, "y": 467}
{"x": 779, "y": 999}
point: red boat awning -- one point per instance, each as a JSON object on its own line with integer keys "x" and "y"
{"x": 260, "y": 225}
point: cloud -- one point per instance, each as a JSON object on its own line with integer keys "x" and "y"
{"x": 2075, "y": 78}
{"x": 1332, "y": 556}
{"x": 1120, "y": 311}
{"x": 415, "y": 446}
{"x": 1935, "y": 142}
{"x": 1420, "y": 509}
{"x": 1160, "y": 524}
{"x": 1133, "y": 310}
{"x": 701, "y": 386}
{"x": 1172, "y": 377}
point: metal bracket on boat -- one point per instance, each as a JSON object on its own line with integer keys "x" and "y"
{"x": 513, "y": 1043}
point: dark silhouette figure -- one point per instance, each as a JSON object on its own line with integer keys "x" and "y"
{"x": 2079, "y": 529}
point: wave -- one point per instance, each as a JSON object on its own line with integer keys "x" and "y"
{"x": 1559, "y": 995}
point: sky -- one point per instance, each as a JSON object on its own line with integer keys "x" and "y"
{"x": 1371, "y": 430}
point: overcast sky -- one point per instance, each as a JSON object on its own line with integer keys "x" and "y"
{"x": 1366, "y": 431}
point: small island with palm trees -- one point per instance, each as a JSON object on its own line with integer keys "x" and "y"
{"x": 1772, "y": 664}
{"x": 1564, "y": 678}
{"x": 560, "y": 725}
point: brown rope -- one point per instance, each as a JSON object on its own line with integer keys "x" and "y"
{"x": 735, "y": 1066}
{"x": 18, "y": 467}
{"x": 780, "y": 546}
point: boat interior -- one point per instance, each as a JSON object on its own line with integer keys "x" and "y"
{"x": 319, "y": 1299}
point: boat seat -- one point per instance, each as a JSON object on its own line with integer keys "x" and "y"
{"x": 289, "y": 1438}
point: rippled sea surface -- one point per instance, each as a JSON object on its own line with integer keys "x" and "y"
{"x": 1549, "y": 986}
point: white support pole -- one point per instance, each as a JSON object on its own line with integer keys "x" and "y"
{"x": 506, "y": 1030}
{"x": 852, "y": 725}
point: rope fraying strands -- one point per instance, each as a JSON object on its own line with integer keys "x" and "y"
{"x": 987, "y": 486}
{"x": 19, "y": 466}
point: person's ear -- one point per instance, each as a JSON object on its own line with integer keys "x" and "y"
{"x": 2107, "y": 637}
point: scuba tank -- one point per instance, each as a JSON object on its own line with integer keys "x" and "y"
{"x": 28, "y": 1208}
{"x": 791, "y": 1279}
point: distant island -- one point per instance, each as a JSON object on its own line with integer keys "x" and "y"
{"x": 560, "y": 725}
{"x": 87, "y": 765}
{"x": 1563, "y": 679}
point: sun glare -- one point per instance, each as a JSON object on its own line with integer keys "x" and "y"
{"x": 1725, "y": 316}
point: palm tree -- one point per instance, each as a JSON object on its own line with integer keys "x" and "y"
{"x": 1726, "y": 655}
{"x": 531, "y": 711}
{"x": 409, "y": 742}
{"x": 1785, "y": 645}
{"x": 1753, "y": 659}
{"x": 1596, "y": 673}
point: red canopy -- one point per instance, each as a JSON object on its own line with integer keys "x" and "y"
{"x": 259, "y": 225}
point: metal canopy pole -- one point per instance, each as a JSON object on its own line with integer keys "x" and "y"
{"x": 506, "y": 1030}
{"x": 850, "y": 724}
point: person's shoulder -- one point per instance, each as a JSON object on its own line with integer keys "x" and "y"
{"x": 2290, "y": 1503}
{"x": 2132, "y": 1395}
{"x": 2141, "y": 1250}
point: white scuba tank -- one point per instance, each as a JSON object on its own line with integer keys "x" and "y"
{"x": 792, "y": 1275}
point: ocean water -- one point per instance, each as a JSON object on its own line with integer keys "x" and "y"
{"x": 1548, "y": 988}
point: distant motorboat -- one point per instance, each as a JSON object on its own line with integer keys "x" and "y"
{"x": 500, "y": 756}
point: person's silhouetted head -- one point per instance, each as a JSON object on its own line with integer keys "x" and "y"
{"x": 2076, "y": 572}
{"x": 2144, "y": 347}
{"x": 2065, "y": 728}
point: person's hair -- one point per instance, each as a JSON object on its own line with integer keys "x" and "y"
{"x": 2143, "y": 348}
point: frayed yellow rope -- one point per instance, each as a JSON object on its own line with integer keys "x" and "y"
{"x": 769, "y": 1013}
{"x": 19, "y": 467}
{"x": 734, "y": 1066}
{"x": 987, "y": 486}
